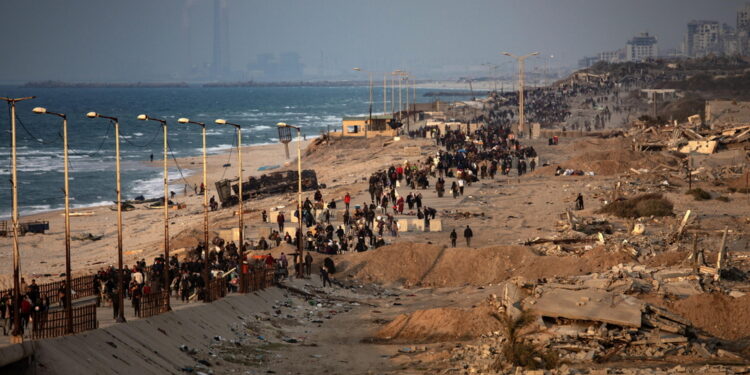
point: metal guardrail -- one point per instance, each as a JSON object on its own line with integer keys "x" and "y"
{"x": 83, "y": 286}
{"x": 154, "y": 303}
{"x": 47, "y": 324}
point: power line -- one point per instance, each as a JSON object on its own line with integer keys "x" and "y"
{"x": 156, "y": 133}
{"x": 33, "y": 137}
{"x": 177, "y": 164}
{"x": 229, "y": 158}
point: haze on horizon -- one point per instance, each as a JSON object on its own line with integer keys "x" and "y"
{"x": 173, "y": 40}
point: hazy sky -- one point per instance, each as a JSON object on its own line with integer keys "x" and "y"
{"x": 162, "y": 40}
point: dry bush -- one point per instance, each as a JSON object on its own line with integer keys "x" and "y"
{"x": 520, "y": 352}
{"x": 653, "y": 204}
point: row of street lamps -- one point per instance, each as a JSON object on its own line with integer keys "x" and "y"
{"x": 284, "y": 136}
{"x": 403, "y": 77}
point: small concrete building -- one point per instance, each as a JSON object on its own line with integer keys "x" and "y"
{"x": 355, "y": 126}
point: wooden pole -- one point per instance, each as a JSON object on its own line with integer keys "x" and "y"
{"x": 166, "y": 216}
{"x": 17, "y": 333}
{"x": 385, "y": 94}
{"x": 242, "y": 211}
{"x": 120, "y": 277}
{"x": 721, "y": 260}
{"x": 68, "y": 298}
{"x": 206, "y": 245}
{"x": 299, "y": 202}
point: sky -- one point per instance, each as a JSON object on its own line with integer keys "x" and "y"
{"x": 172, "y": 40}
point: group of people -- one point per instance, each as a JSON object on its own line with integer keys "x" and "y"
{"x": 30, "y": 301}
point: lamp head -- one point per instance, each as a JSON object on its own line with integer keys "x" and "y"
{"x": 506, "y": 53}
{"x": 142, "y": 117}
{"x": 535, "y": 53}
{"x": 92, "y": 115}
{"x": 39, "y": 110}
{"x": 282, "y": 124}
{"x": 220, "y": 121}
{"x": 358, "y": 69}
{"x": 183, "y": 120}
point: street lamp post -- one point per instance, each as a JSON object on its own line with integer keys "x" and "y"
{"x": 17, "y": 333}
{"x": 385, "y": 94}
{"x": 205, "y": 209}
{"x": 369, "y": 121}
{"x": 242, "y": 205}
{"x": 285, "y": 134}
{"x": 120, "y": 288}
{"x": 166, "y": 204}
{"x": 521, "y": 62}
{"x": 68, "y": 298}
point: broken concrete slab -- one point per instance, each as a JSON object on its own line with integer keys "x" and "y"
{"x": 588, "y": 304}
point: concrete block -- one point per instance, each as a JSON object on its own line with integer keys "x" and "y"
{"x": 436, "y": 225}
{"x": 230, "y": 234}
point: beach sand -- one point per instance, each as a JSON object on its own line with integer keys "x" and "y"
{"x": 43, "y": 255}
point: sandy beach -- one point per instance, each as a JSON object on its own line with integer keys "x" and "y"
{"x": 43, "y": 256}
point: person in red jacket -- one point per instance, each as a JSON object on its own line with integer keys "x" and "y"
{"x": 25, "y": 312}
{"x": 270, "y": 261}
{"x": 347, "y": 200}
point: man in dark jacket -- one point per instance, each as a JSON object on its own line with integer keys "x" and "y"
{"x": 468, "y": 234}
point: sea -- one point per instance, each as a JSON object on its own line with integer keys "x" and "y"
{"x": 91, "y": 141}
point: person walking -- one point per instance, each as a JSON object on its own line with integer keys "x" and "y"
{"x": 468, "y": 234}
{"x": 280, "y": 221}
{"x": 308, "y": 264}
{"x": 454, "y": 237}
{"x": 579, "y": 202}
{"x": 325, "y": 276}
{"x": 347, "y": 200}
{"x": 136, "y": 294}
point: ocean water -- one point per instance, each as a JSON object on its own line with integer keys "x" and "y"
{"x": 91, "y": 141}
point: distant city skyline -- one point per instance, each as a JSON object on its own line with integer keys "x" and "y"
{"x": 228, "y": 40}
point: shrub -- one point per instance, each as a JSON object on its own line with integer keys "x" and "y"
{"x": 699, "y": 194}
{"x": 653, "y": 204}
{"x": 520, "y": 352}
{"x": 723, "y": 199}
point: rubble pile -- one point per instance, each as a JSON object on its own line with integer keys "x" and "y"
{"x": 689, "y": 137}
{"x": 597, "y": 318}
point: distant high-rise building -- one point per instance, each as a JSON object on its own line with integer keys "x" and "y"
{"x": 703, "y": 38}
{"x": 642, "y": 47}
{"x": 743, "y": 18}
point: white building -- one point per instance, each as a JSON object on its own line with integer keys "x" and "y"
{"x": 641, "y": 47}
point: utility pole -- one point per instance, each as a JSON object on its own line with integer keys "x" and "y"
{"x": 17, "y": 334}
{"x": 521, "y": 62}
{"x": 241, "y": 215}
{"x": 369, "y": 120}
{"x": 120, "y": 287}
{"x": 285, "y": 136}
{"x": 385, "y": 94}
{"x": 165, "y": 269}
{"x": 68, "y": 297}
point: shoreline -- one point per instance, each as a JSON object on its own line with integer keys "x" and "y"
{"x": 192, "y": 173}
{"x": 43, "y": 255}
